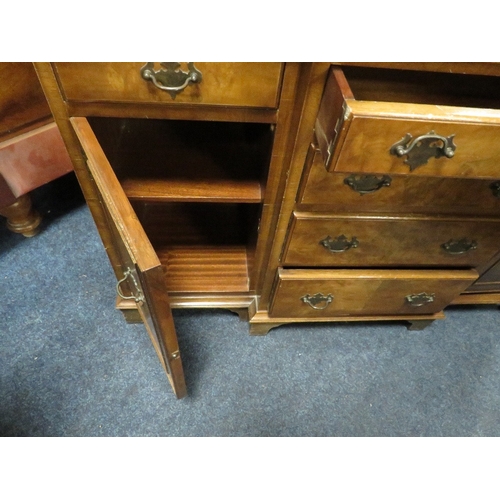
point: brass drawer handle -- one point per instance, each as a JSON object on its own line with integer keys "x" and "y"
{"x": 171, "y": 79}
{"x": 420, "y": 299}
{"x": 139, "y": 297}
{"x": 364, "y": 184}
{"x": 459, "y": 247}
{"x": 495, "y": 189}
{"x": 339, "y": 244}
{"x": 314, "y": 300}
{"x": 422, "y": 148}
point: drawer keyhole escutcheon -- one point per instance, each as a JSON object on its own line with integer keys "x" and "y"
{"x": 365, "y": 184}
{"x": 314, "y": 301}
{"x": 423, "y": 147}
{"x": 459, "y": 247}
{"x": 339, "y": 244}
{"x": 420, "y": 299}
{"x": 171, "y": 79}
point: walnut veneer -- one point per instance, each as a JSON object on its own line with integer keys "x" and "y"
{"x": 271, "y": 189}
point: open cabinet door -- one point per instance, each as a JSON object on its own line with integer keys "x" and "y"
{"x": 141, "y": 276}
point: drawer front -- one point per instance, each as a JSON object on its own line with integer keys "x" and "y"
{"x": 355, "y": 192}
{"x": 319, "y": 293}
{"x": 421, "y": 135}
{"x": 369, "y": 141}
{"x": 226, "y": 84}
{"x": 321, "y": 240}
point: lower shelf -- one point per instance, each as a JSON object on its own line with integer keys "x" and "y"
{"x": 203, "y": 247}
{"x": 205, "y": 269}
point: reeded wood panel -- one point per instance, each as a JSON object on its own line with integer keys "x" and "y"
{"x": 390, "y": 241}
{"x": 358, "y": 292}
{"x": 202, "y": 247}
{"x": 223, "y": 84}
{"x": 205, "y": 269}
{"x": 323, "y": 190}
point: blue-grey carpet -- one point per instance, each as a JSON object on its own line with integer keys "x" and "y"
{"x": 71, "y": 366}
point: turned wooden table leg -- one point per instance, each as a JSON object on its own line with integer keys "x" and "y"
{"x": 21, "y": 217}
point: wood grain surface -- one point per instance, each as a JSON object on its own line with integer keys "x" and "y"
{"x": 365, "y": 292}
{"x": 222, "y": 84}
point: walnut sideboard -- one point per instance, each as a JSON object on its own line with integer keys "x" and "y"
{"x": 287, "y": 192}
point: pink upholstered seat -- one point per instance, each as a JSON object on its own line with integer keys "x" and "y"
{"x": 27, "y": 162}
{"x": 30, "y": 160}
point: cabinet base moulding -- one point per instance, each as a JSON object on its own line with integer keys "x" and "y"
{"x": 477, "y": 299}
{"x": 261, "y": 323}
{"x": 243, "y": 306}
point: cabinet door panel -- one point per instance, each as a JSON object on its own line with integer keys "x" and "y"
{"x": 141, "y": 276}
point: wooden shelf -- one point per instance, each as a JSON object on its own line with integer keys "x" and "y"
{"x": 203, "y": 247}
{"x": 205, "y": 269}
{"x": 168, "y": 160}
{"x": 210, "y": 190}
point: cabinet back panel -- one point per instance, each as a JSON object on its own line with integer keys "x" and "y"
{"x": 422, "y": 87}
{"x": 198, "y": 223}
{"x": 176, "y": 149}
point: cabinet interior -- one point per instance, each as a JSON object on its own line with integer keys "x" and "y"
{"x": 423, "y": 87}
{"x": 197, "y": 188}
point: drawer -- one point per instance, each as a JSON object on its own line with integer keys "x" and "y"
{"x": 319, "y": 240}
{"x": 221, "y": 84}
{"x": 355, "y": 192}
{"x": 319, "y": 293}
{"x": 400, "y": 121}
